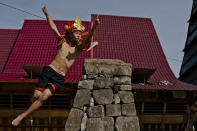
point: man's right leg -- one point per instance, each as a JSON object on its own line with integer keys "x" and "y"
{"x": 36, "y": 95}
{"x": 43, "y": 96}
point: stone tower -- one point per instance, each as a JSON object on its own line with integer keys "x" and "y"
{"x": 104, "y": 100}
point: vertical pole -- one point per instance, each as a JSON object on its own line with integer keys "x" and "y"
{"x": 31, "y": 74}
{"x": 31, "y": 122}
{"x": 142, "y": 110}
{"x": 91, "y": 53}
{"x": 163, "y": 117}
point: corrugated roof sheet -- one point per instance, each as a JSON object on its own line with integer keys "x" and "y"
{"x": 7, "y": 40}
{"x": 130, "y": 39}
{"x": 134, "y": 40}
{"x": 37, "y": 45}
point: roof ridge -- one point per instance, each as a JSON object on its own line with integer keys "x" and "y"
{"x": 122, "y": 16}
{"x": 53, "y": 20}
{"x": 10, "y": 29}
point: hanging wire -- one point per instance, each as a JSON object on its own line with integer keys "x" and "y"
{"x": 21, "y": 10}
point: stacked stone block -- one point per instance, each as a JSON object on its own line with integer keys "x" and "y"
{"x": 104, "y": 100}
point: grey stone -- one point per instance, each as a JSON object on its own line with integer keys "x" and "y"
{"x": 100, "y": 124}
{"x": 108, "y": 76}
{"x": 102, "y": 75}
{"x": 91, "y": 101}
{"x": 95, "y": 124}
{"x": 103, "y": 82}
{"x": 126, "y": 96}
{"x": 103, "y": 96}
{"x": 107, "y": 67}
{"x": 84, "y": 122}
{"x": 86, "y": 84}
{"x": 129, "y": 109}
{"x": 113, "y": 110}
{"x": 82, "y": 98}
{"x": 124, "y": 80}
{"x": 193, "y": 115}
{"x": 127, "y": 124}
{"x": 92, "y": 76}
{"x": 95, "y": 111}
{"x": 104, "y": 61}
{"x": 73, "y": 122}
{"x": 108, "y": 123}
{"x": 122, "y": 87}
{"x": 116, "y": 99}
{"x": 84, "y": 108}
{"x": 84, "y": 77}
{"x": 193, "y": 108}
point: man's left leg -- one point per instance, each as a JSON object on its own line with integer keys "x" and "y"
{"x": 44, "y": 96}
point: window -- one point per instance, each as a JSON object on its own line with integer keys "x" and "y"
{"x": 176, "y": 108}
{"x": 141, "y": 75}
{"x": 4, "y": 101}
{"x": 60, "y": 102}
{"x": 153, "y": 107}
{"x": 138, "y": 106}
{"x": 21, "y": 101}
{"x": 24, "y": 101}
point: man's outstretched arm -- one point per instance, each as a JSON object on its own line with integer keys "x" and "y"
{"x": 89, "y": 37}
{"x": 50, "y": 22}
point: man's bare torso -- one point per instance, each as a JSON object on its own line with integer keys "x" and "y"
{"x": 65, "y": 57}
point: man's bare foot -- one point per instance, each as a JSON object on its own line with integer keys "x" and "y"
{"x": 17, "y": 120}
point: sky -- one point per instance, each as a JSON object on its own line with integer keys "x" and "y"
{"x": 169, "y": 17}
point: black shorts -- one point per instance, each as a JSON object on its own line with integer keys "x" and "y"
{"x": 50, "y": 79}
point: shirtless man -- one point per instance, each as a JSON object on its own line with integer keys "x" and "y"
{"x": 52, "y": 77}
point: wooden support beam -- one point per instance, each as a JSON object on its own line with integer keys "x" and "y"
{"x": 142, "y": 111}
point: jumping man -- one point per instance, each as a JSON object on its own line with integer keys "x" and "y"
{"x": 70, "y": 45}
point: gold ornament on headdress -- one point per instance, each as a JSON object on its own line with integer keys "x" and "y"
{"x": 77, "y": 25}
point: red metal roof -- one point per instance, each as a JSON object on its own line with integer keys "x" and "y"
{"x": 7, "y": 40}
{"x": 130, "y": 39}
{"x": 134, "y": 40}
{"x": 37, "y": 45}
